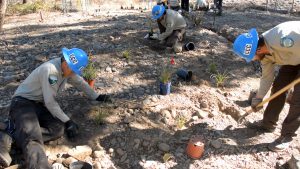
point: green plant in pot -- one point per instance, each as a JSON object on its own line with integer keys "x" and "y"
{"x": 165, "y": 78}
{"x": 89, "y": 73}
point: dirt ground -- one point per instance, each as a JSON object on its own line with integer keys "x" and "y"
{"x": 141, "y": 126}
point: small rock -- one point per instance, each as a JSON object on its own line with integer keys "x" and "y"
{"x": 164, "y": 147}
{"x": 68, "y": 161}
{"x": 108, "y": 69}
{"x": 202, "y": 114}
{"x": 123, "y": 158}
{"x": 97, "y": 165}
{"x": 80, "y": 152}
{"x": 110, "y": 150}
{"x": 120, "y": 152}
{"x": 98, "y": 154}
{"x": 204, "y": 105}
{"x": 166, "y": 114}
{"x": 216, "y": 144}
{"x": 195, "y": 118}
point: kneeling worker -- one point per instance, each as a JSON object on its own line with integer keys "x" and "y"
{"x": 35, "y": 116}
{"x": 171, "y": 25}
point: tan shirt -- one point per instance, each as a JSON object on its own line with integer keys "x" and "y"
{"x": 172, "y": 21}
{"x": 46, "y": 81}
{"x": 283, "y": 42}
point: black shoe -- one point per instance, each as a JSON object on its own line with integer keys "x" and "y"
{"x": 260, "y": 126}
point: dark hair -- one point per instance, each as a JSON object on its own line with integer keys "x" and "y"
{"x": 62, "y": 59}
{"x": 261, "y": 41}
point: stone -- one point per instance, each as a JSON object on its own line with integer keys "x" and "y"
{"x": 80, "y": 152}
{"x": 216, "y": 144}
{"x": 120, "y": 152}
{"x": 294, "y": 162}
{"x": 164, "y": 147}
{"x": 97, "y": 165}
{"x": 110, "y": 150}
{"x": 202, "y": 114}
{"x": 108, "y": 69}
{"x": 98, "y": 154}
{"x": 68, "y": 161}
{"x": 166, "y": 114}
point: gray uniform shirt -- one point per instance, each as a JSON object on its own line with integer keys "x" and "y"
{"x": 44, "y": 83}
{"x": 283, "y": 42}
{"x": 172, "y": 21}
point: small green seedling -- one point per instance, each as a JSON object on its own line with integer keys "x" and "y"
{"x": 212, "y": 68}
{"x": 126, "y": 54}
{"x": 220, "y": 78}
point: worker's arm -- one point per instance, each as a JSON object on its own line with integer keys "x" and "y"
{"x": 168, "y": 32}
{"x": 82, "y": 85}
{"x": 266, "y": 81}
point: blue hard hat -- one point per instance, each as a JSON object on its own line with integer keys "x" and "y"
{"x": 76, "y": 59}
{"x": 158, "y": 11}
{"x": 245, "y": 45}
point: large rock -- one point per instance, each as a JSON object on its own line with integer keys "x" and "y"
{"x": 294, "y": 162}
{"x": 80, "y": 152}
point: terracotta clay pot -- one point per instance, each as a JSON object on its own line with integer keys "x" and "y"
{"x": 195, "y": 147}
{"x": 91, "y": 83}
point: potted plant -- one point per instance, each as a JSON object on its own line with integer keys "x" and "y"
{"x": 89, "y": 74}
{"x": 165, "y": 79}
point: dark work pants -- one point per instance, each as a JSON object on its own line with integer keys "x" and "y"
{"x": 175, "y": 37}
{"x": 218, "y": 4}
{"x": 34, "y": 125}
{"x": 292, "y": 122}
{"x": 185, "y": 5}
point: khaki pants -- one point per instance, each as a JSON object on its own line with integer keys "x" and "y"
{"x": 291, "y": 123}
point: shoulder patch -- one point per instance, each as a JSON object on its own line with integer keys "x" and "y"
{"x": 52, "y": 79}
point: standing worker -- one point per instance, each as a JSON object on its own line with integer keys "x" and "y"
{"x": 35, "y": 116}
{"x": 277, "y": 46}
{"x": 185, "y": 5}
{"x": 174, "y": 4}
{"x": 218, "y": 5}
{"x": 171, "y": 25}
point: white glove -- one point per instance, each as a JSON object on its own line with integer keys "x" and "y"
{"x": 154, "y": 36}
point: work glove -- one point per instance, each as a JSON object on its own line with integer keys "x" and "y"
{"x": 71, "y": 129}
{"x": 104, "y": 98}
{"x": 254, "y": 102}
{"x": 154, "y": 36}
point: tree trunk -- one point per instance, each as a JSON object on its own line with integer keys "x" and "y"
{"x": 3, "y": 4}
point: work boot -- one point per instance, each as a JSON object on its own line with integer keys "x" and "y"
{"x": 5, "y": 146}
{"x": 260, "y": 126}
{"x": 280, "y": 144}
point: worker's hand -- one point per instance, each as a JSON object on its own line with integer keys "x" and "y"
{"x": 154, "y": 36}
{"x": 71, "y": 129}
{"x": 104, "y": 98}
{"x": 254, "y": 102}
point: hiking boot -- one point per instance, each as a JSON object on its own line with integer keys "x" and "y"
{"x": 280, "y": 144}
{"x": 5, "y": 146}
{"x": 260, "y": 126}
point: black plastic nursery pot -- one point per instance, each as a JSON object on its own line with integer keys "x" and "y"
{"x": 80, "y": 165}
{"x": 164, "y": 88}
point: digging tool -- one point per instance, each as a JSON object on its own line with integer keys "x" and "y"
{"x": 292, "y": 84}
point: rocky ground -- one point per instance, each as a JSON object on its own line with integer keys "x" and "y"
{"x": 141, "y": 126}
